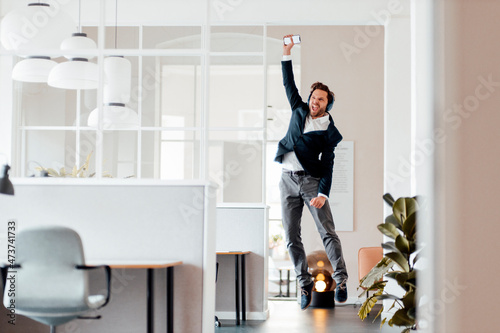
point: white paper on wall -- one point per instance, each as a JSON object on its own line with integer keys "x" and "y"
{"x": 342, "y": 192}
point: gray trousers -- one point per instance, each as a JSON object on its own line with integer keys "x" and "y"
{"x": 295, "y": 191}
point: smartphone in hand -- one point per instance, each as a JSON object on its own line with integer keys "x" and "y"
{"x": 296, "y": 40}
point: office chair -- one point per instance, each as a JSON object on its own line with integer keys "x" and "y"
{"x": 51, "y": 279}
{"x": 368, "y": 257}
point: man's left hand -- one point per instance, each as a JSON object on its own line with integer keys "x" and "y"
{"x": 318, "y": 202}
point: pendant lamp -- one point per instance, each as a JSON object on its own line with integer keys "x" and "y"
{"x": 33, "y": 69}
{"x": 35, "y": 27}
{"x": 78, "y": 72}
{"x": 117, "y": 85}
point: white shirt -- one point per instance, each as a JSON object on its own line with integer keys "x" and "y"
{"x": 290, "y": 161}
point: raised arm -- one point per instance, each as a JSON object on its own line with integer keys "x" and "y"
{"x": 292, "y": 93}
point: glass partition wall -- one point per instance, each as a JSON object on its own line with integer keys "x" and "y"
{"x": 204, "y": 94}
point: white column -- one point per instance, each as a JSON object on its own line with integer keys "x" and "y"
{"x": 6, "y": 115}
{"x": 423, "y": 91}
{"x": 397, "y": 119}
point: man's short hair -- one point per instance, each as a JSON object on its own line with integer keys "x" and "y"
{"x": 324, "y": 87}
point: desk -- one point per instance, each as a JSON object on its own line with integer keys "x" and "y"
{"x": 239, "y": 287}
{"x": 287, "y": 268}
{"x": 169, "y": 266}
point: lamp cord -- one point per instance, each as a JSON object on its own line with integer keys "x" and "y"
{"x": 79, "y": 15}
{"x": 116, "y": 24}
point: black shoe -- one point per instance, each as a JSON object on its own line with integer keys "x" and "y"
{"x": 306, "y": 298}
{"x": 341, "y": 292}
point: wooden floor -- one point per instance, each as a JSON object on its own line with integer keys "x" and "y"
{"x": 286, "y": 316}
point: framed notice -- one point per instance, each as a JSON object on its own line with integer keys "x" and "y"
{"x": 342, "y": 192}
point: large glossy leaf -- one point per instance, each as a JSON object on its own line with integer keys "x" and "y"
{"x": 388, "y": 296}
{"x": 389, "y": 199}
{"x": 413, "y": 246}
{"x": 379, "y": 313}
{"x": 400, "y": 260}
{"x": 393, "y": 220}
{"x": 412, "y": 313}
{"x": 376, "y": 273}
{"x": 377, "y": 286}
{"x": 403, "y": 245}
{"x": 409, "y": 300}
{"x": 389, "y": 230}
{"x": 409, "y": 226}
{"x": 367, "y": 306}
{"x": 401, "y": 318}
{"x": 394, "y": 275}
{"x": 391, "y": 246}
{"x": 404, "y": 207}
{"x": 383, "y": 320}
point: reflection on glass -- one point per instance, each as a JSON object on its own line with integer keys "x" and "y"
{"x": 236, "y": 95}
{"x": 237, "y": 39}
{"x": 172, "y": 37}
{"x": 235, "y": 164}
{"x": 170, "y": 154}
{"x": 120, "y": 154}
{"x": 47, "y": 148}
{"x": 171, "y": 86}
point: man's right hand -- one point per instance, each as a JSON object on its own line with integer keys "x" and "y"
{"x": 288, "y": 48}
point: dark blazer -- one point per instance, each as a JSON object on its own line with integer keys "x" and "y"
{"x": 314, "y": 150}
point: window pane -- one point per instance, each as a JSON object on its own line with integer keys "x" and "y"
{"x": 236, "y": 92}
{"x": 56, "y": 150}
{"x": 170, "y": 154}
{"x": 172, "y": 37}
{"x": 42, "y": 105}
{"x": 236, "y": 166}
{"x": 237, "y": 39}
{"x": 120, "y": 154}
{"x": 171, "y": 87}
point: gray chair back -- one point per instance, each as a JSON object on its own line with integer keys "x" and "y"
{"x": 48, "y": 287}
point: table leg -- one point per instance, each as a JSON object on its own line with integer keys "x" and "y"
{"x": 243, "y": 290}
{"x": 237, "y": 287}
{"x": 281, "y": 281}
{"x": 287, "y": 283}
{"x": 170, "y": 300}
{"x": 150, "y": 322}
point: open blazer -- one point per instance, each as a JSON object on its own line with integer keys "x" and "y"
{"x": 315, "y": 150}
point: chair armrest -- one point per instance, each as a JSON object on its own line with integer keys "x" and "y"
{"x": 3, "y": 272}
{"x": 107, "y": 269}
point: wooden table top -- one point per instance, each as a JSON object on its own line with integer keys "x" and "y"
{"x": 136, "y": 264}
{"x": 232, "y": 252}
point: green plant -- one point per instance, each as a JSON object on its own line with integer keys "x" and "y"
{"x": 76, "y": 172}
{"x": 275, "y": 240}
{"x": 398, "y": 263}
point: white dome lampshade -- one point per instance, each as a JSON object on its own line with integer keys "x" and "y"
{"x": 115, "y": 116}
{"x": 78, "y": 73}
{"x": 37, "y": 26}
{"x": 117, "y": 84}
{"x": 34, "y": 27}
{"x": 33, "y": 69}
